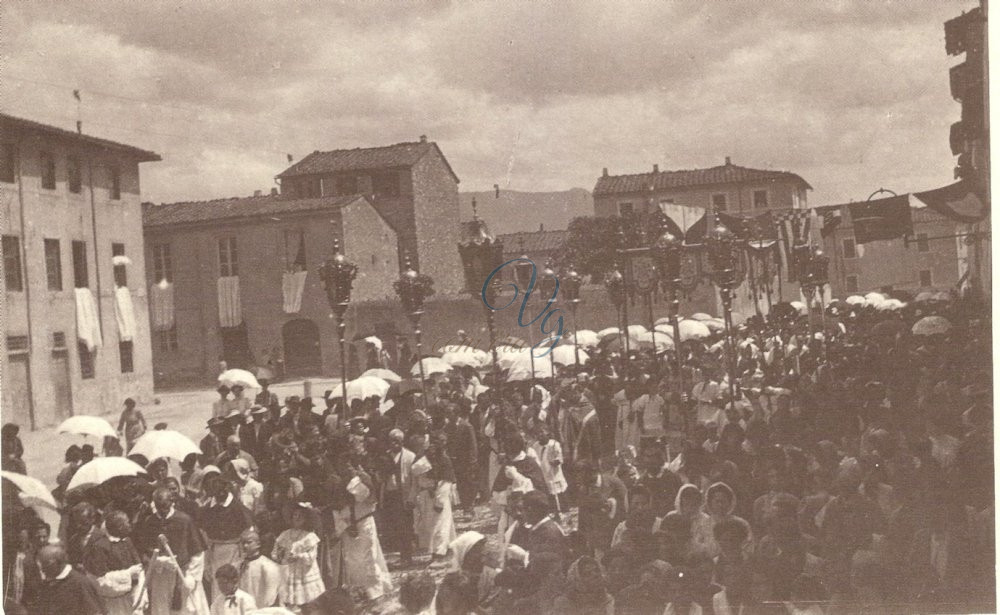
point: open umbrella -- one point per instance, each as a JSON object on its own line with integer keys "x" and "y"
{"x": 398, "y": 389}
{"x": 701, "y": 316}
{"x": 241, "y": 377}
{"x": 931, "y": 325}
{"x": 33, "y": 491}
{"x": 799, "y": 307}
{"x": 890, "y": 305}
{"x": 924, "y": 297}
{"x": 888, "y": 328}
{"x": 470, "y": 357}
{"x": 855, "y": 300}
{"x": 164, "y": 443}
{"x": 663, "y": 342}
{"x": 693, "y": 330}
{"x": 874, "y": 299}
{"x": 432, "y": 365}
{"x": 374, "y": 341}
{"x": 385, "y": 374}
{"x": 365, "y": 387}
{"x": 603, "y": 333}
{"x": 565, "y": 355}
{"x": 520, "y": 367}
{"x": 102, "y": 469}
{"x": 584, "y": 338}
{"x": 715, "y": 324}
{"x": 88, "y": 426}
{"x": 634, "y": 330}
{"x": 665, "y": 321}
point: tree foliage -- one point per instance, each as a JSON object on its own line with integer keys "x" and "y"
{"x": 593, "y": 241}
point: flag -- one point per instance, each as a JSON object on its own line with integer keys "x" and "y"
{"x": 793, "y": 230}
{"x": 831, "y": 219}
{"x": 76, "y": 95}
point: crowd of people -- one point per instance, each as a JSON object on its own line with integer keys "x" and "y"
{"x": 847, "y": 467}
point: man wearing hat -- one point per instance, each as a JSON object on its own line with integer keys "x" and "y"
{"x": 211, "y": 445}
{"x": 266, "y": 398}
{"x": 398, "y": 498}
{"x": 234, "y": 451}
{"x": 255, "y": 435}
{"x": 223, "y": 518}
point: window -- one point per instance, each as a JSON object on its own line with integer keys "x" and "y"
{"x": 852, "y": 283}
{"x": 166, "y": 341}
{"x": 719, "y": 202}
{"x": 759, "y": 199}
{"x": 347, "y": 184}
{"x": 925, "y": 278}
{"x": 922, "y": 243}
{"x": 386, "y": 184}
{"x": 13, "y": 274}
{"x": 125, "y": 357}
{"x": 53, "y": 264}
{"x": 81, "y": 278}
{"x": 625, "y": 209}
{"x": 58, "y": 340}
{"x": 163, "y": 266}
{"x": 73, "y": 175}
{"x": 227, "y": 257}
{"x": 17, "y": 344}
{"x": 116, "y": 183}
{"x": 850, "y": 250}
{"x": 48, "y": 164}
{"x": 295, "y": 250}
{"x": 8, "y": 163}
{"x": 86, "y": 361}
{"x": 121, "y": 275}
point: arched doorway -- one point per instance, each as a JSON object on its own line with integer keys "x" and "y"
{"x": 302, "y": 352}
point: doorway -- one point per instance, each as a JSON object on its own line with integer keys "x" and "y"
{"x": 302, "y": 350}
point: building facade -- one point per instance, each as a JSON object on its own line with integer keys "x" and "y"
{"x": 935, "y": 257}
{"x": 76, "y": 316}
{"x": 410, "y": 184}
{"x": 236, "y": 280}
{"x": 685, "y": 195}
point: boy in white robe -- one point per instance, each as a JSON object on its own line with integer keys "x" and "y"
{"x": 260, "y": 576}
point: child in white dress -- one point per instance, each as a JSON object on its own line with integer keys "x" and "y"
{"x": 296, "y": 550}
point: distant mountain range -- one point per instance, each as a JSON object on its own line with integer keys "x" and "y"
{"x": 517, "y": 211}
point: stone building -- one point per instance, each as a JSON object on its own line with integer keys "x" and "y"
{"x": 410, "y": 184}
{"x": 935, "y": 257}
{"x": 75, "y": 313}
{"x": 236, "y": 280}
{"x": 685, "y": 195}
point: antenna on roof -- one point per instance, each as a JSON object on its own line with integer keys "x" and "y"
{"x": 79, "y": 121}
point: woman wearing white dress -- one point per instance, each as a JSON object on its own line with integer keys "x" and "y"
{"x": 432, "y": 518}
{"x": 550, "y": 458}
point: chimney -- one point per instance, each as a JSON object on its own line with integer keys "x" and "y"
{"x": 423, "y": 138}
{"x": 541, "y": 227}
{"x": 656, "y": 168}
{"x": 605, "y": 173}
{"x": 256, "y": 192}
{"x": 728, "y": 161}
{"x": 274, "y": 192}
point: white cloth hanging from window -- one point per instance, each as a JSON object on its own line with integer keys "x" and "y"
{"x": 88, "y": 325}
{"x": 162, "y": 299}
{"x": 292, "y": 285}
{"x": 230, "y": 311}
{"x": 124, "y": 314}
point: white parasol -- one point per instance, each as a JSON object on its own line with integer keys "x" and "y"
{"x": 365, "y": 387}
{"x": 565, "y": 355}
{"x": 385, "y": 374}
{"x": 33, "y": 491}
{"x": 931, "y": 325}
{"x": 240, "y": 377}
{"x": 700, "y": 316}
{"x": 164, "y": 443}
{"x": 693, "y": 330}
{"x": 432, "y": 365}
{"x": 87, "y": 426}
{"x": 102, "y": 469}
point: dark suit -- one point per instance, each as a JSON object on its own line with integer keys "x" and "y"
{"x": 254, "y": 438}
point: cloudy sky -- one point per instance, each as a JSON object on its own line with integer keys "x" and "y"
{"x": 852, "y": 95}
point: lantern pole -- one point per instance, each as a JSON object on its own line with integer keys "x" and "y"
{"x": 338, "y": 276}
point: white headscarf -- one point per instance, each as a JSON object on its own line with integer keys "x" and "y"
{"x": 461, "y": 547}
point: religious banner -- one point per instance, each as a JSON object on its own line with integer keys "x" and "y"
{"x": 88, "y": 325}
{"x": 230, "y": 310}
{"x": 124, "y": 314}
{"x": 161, "y": 297}
{"x": 292, "y": 285}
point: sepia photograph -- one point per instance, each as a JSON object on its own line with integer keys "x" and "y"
{"x": 442, "y": 307}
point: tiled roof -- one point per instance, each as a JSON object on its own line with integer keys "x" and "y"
{"x": 195, "y": 212}
{"x": 538, "y": 241}
{"x": 389, "y": 156}
{"x": 666, "y": 180}
{"x": 11, "y": 124}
